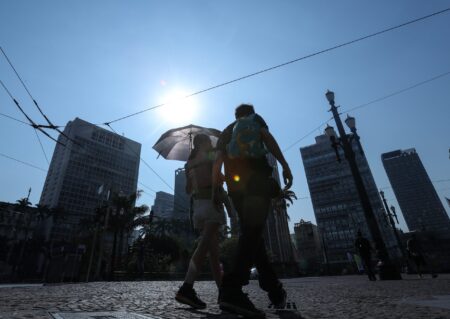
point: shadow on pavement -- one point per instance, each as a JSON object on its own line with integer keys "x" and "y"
{"x": 282, "y": 314}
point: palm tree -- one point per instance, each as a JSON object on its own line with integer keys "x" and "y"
{"x": 125, "y": 218}
{"x": 23, "y": 208}
{"x": 284, "y": 200}
{"x": 23, "y": 202}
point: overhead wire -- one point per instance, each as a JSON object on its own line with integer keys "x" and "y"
{"x": 142, "y": 160}
{"x": 398, "y": 92}
{"x": 22, "y": 162}
{"x": 288, "y": 62}
{"x": 32, "y": 123}
{"x": 42, "y": 147}
{"x": 50, "y": 124}
{"x": 385, "y": 97}
{"x": 14, "y": 119}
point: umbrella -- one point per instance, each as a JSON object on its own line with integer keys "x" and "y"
{"x": 176, "y": 144}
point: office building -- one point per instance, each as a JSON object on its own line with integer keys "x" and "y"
{"x": 415, "y": 193}
{"x": 309, "y": 247}
{"x": 92, "y": 164}
{"x": 181, "y": 198}
{"x": 336, "y": 203}
{"x": 163, "y": 205}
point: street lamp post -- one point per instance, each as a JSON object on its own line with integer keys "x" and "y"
{"x": 387, "y": 269}
{"x": 390, "y": 216}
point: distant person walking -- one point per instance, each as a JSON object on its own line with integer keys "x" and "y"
{"x": 364, "y": 250}
{"x": 417, "y": 256}
{"x": 242, "y": 148}
{"x": 207, "y": 219}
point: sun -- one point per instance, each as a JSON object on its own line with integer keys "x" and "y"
{"x": 178, "y": 108}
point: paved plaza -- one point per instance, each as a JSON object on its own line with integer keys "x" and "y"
{"x": 314, "y": 297}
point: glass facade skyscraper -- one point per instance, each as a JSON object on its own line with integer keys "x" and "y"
{"x": 336, "y": 203}
{"x": 415, "y": 193}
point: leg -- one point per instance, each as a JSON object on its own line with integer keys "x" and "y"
{"x": 214, "y": 258}
{"x": 252, "y": 212}
{"x": 199, "y": 254}
{"x": 186, "y": 294}
{"x": 252, "y": 217}
{"x": 268, "y": 280}
{"x": 368, "y": 267}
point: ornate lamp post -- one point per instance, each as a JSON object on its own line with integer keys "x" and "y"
{"x": 387, "y": 269}
{"x": 390, "y": 214}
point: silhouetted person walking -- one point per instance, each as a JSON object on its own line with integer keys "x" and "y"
{"x": 416, "y": 255}
{"x": 207, "y": 219}
{"x": 242, "y": 147}
{"x": 364, "y": 249}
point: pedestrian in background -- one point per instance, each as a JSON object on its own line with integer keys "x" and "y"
{"x": 364, "y": 250}
{"x": 417, "y": 256}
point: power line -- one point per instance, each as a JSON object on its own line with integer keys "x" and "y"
{"x": 22, "y": 162}
{"x": 398, "y": 92}
{"x": 13, "y": 118}
{"x": 305, "y": 136}
{"x": 149, "y": 188}
{"x": 32, "y": 123}
{"x": 42, "y": 147}
{"x": 434, "y": 78}
{"x": 50, "y": 124}
{"x": 142, "y": 160}
{"x": 288, "y": 62}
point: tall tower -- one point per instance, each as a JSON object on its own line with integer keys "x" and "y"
{"x": 181, "y": 198}
{"x": 276, "y": 234}
{"x": 416, "y": 195}
{"x": 98, "y": 160}
{"x": 336, "y": 203}
{"x": 309, "y": 246}
{"x": 163, "y": 205}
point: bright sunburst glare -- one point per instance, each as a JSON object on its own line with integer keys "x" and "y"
{"x": 178, "y": 109}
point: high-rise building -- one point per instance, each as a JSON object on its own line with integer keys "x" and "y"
{"x": 415, "y": 193}
{"x": 309, "y": 246}
{"x": 92, "y": 163}
{"x": 181, "y": 198}
{"x": 336, "y": 203}
{"x": 276, "y": 235}
{"x": 163, "y": 205}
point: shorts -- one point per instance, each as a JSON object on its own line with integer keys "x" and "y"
{"x": 205, "y": 212}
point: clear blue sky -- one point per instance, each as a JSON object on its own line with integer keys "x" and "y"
{"x": 99, "y": 60}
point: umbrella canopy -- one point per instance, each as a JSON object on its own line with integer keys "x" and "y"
{"x": 176, "y": 144}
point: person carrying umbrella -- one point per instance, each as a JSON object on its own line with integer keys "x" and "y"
{"x": 207, "y": 218}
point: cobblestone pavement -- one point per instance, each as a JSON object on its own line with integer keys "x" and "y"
{"x": 324, "y": 297}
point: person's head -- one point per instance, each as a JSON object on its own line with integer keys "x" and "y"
{"x": 202, "y": 142}
{"x": 244, "y": 110}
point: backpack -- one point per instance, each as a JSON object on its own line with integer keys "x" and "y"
{"x": 246, "y": 139}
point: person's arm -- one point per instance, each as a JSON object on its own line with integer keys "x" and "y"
{"x": 217, "y": 174}
{"x": 273, "y": 148}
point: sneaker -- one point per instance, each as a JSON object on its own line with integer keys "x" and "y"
{"x": 238, "y": 303}
{"x": 278, "y": 298}
{"x": 188, "y": 296}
